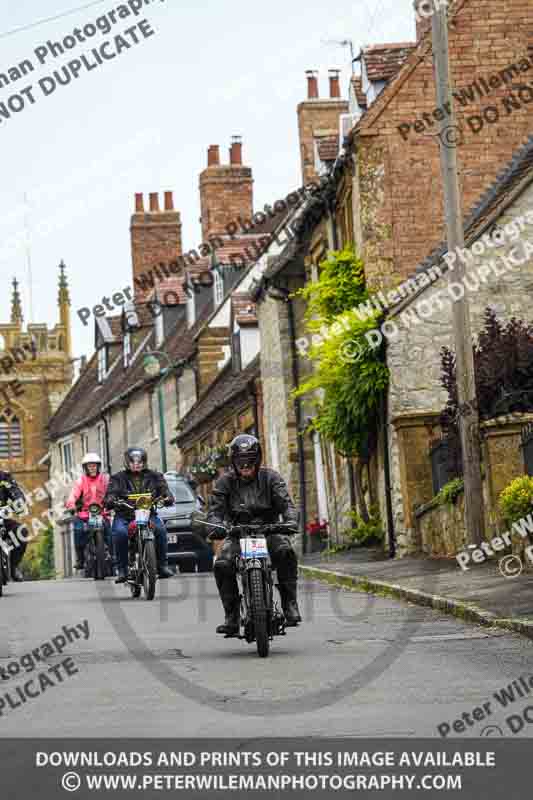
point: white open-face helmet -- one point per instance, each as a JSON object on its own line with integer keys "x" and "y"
{"x": 91, "y": 458}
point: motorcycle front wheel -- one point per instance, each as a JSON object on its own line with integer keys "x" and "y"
{"x": 149, "y": 570}
{"x": 99, "y": 562}
{"x": 259, "y": 612}
{"x": 2, "y": 574}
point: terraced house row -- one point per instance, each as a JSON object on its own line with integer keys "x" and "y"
{"x": 224, "y": 358}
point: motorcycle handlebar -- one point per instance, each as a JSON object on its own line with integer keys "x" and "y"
{"x": 235, "y": 531}
{"x": 120, "y": 501}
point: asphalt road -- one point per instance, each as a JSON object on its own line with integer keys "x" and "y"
{"x": 358, "y": 666}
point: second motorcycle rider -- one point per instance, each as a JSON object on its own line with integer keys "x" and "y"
{"x": 136, "y": 478}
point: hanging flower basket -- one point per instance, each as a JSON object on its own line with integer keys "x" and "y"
{"x": 204, "y": 471}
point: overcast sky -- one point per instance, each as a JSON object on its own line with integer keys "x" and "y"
{"x": 143, "y": 121}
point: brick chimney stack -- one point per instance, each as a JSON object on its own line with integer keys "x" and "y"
{"x": 155, "y": 240}
{"x": 312, "y": 84}
{"x": 423, "y": 12}
{"x": 334, "y": 84}
{"x": 226, "y": 190}
{"x": 213, "y": 156}
{"x": 235, "y": 152}
{"x": 318, "y": 118}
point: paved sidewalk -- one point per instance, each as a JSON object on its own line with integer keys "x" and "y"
{"x": 481, "y": 595}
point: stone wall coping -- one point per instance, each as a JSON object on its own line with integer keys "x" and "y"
{"x": 415, "y": 419}
{"x": 508, "y": 423}
{"x": 424, "y": 509}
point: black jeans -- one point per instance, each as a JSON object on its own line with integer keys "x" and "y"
{"x": 284, "y": 560}
{"x": 17, "y": 554}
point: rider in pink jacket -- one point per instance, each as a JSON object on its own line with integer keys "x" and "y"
{"x": 90, "y": 488}
{"x": 86, "y": 491}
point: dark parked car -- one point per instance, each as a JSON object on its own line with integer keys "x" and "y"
{"x": 187, "y": 548}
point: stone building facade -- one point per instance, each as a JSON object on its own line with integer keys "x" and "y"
{"x": 421, "y": 326}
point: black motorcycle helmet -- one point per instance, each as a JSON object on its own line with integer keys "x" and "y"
{"x": 135, "y": 454}
{"x": 245, "y": 450}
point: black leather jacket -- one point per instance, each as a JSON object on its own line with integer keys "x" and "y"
{"x": 121, "y": 485}
{"x": 266, "y": 498}
{"x": 10, "y": 492}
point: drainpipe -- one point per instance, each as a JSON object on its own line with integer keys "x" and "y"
{"x": 253, "y": 395}
{"x": 298, "y": 415}
{"x": 386, "y": 466}
{"x": 107, "y": 447}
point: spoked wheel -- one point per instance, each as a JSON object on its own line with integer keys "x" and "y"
{"x": 259, "y": 612}
{"x": 99, "y": 556}
{"x": 2, "y": 573}
{"x": 149, "y": 570}
{"x": 135, "y": 590}
{"x": 89, "y": 570}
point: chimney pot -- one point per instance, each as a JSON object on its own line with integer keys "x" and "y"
{"x": 334, "y": 83}
{"x": 312, "y": 84}
{"x": 169, "y": 201}
{"x": 154, "y": 201}
{"x": 423, "y": 12}
{"x": 213, "y": 156}
{"x": 235, "y": 153}
{"x": 139, "y": 203}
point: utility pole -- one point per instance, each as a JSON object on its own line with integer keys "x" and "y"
{"x": 466, "y": 385}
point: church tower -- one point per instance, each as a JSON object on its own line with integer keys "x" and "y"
{"x": 64, "y": 309}
{"x": 36, "y": 372}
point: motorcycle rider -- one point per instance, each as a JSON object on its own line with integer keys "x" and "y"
{"x": 90, "y": 488}
{"x": 12, "y": 494}
{"x": 263, "y": 493}
{"x": 136, "y": 478}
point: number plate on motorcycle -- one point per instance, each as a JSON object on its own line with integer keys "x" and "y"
{"x": 254, "y": 548}
{"x": 142, "y": 515}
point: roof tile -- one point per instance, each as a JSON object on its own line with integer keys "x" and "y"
{"x": 383, "y": 61}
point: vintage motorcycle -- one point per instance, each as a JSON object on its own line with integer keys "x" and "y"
{"x": 98, "y": 559}
{"x": 142, "y": 557}
{"x": 261, "y": 617}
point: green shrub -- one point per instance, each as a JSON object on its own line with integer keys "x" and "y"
{"x": 516, "y": 500}
{"x": 450, "y": 492}
{"x": 38, "y": 563}
{"x": 365, "y": 533}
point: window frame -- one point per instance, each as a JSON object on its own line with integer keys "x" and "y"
{"x": 103, "y": 363}
{"x": 102, "y": 449}
{"x": 126, "y": 350}
{"x": 218, "y": 288}
{"x": 12, "y": 420}
{"x": 67, "y": 463}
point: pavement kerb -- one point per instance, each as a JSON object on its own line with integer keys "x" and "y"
{"x": 457, "y": 608}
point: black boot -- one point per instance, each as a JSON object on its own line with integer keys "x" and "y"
{"x": 165, "y": 571}
{"x": 122, "y": 577}
{"x": 288, "y": 592}
{"x": 80, "y": 557}
{"x": 231, "y": 625}
{"x": 17, "y": 575}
